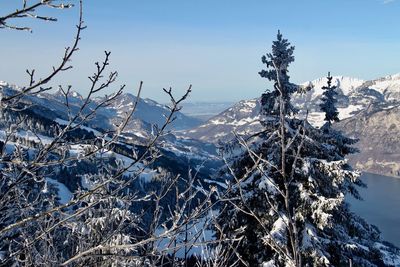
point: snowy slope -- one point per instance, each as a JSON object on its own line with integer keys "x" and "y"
{"x": 240, "y": 118}
{"x": 389, "y": 86}
{"x": 348, "y": 102}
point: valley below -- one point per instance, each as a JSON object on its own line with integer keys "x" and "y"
{"x": 369, "y": 111}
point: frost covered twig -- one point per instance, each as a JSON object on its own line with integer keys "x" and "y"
{"x": 35, "y": 87}
{"x": 29, "y": 11}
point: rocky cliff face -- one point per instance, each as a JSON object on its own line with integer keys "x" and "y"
{"x": 378, "y": 131}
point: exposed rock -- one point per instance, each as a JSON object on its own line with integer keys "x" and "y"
{"x": 378, "y": 131}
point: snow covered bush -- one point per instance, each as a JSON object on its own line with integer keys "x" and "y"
{"x": 67, "y": 190}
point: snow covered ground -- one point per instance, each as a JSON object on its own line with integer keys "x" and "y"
{"x": 192, "y": 240}
{"x": 62, "y": 191}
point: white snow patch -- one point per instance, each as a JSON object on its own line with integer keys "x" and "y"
{"x": 345, "y": 113}
{"x": 63, "y": 192}
{"x": 270, "y": 263}
{"x": 197, "y": 233}
{"x": 64, "y": 122}
{"x": 218, "y": 121}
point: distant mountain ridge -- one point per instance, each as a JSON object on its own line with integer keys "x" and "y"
{"x": 242, "y": 117}
{"x": 147, "y": 113}
{"x": 204, "y": 110}
{"x": 44, "y": 113}
{"x": 148, "y": 116}
{"x": 355, "y": 98}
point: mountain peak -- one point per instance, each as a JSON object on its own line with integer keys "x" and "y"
{"x": 395, "y": 76}
{"x": 72, "y": 94}
{"x": 344, "y": 83}
{"x": 75, "y": 94}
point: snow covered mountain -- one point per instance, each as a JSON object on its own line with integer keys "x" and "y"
{"x": 151, "y": 112}
{"x": 356, "y": 99}
{"x": 47, "y": 111}
{"x": 242, "y": 117}
{"x": 148, "y": 112}
{"x": 354, "y": 95}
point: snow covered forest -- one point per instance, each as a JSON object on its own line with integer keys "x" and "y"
{"x": 107, "y": 180}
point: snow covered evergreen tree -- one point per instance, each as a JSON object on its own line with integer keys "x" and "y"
{"x": 277, "y": 66}
{"x": 286, "y": 200}
{"x": 96, "y": 225}
{"x": 329, "y": 100}
{"x": 342, "y": 143}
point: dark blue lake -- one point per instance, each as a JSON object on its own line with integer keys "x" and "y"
{"x": 381, "y": 205}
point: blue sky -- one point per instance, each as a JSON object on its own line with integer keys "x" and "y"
{"x": 216, "y": 45}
